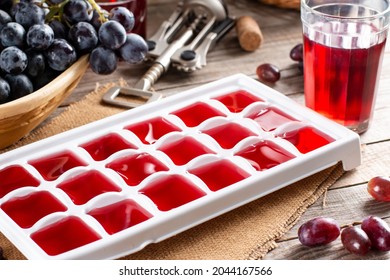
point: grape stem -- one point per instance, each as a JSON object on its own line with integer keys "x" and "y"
{"x": 356, "y": 223}
{"x": 56, "y": 10}
{"x": 98, "y": 9}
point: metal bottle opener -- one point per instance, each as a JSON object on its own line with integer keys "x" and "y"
{"x": 182, "y": 41}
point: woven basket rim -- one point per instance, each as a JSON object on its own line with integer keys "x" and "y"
{"x": 28, "y": 102}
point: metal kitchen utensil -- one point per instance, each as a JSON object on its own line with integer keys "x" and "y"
{"x": 182, "y": 41}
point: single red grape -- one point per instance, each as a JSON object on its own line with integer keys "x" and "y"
{"x": 318, "y": 231}
{"x": 378, "y": 231}
{"x": 296, "y": 52}
{"x": 379, "y": 188}
{"x": 355, "y": 240}
{"x": 268, "y": 73}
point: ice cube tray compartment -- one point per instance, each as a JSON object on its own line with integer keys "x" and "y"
{"x": 151, "y": 172}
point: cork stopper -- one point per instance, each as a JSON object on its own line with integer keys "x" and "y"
{"x": 249, "y": 34}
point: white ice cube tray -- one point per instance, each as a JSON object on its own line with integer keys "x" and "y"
{"x": 111, "y": 187}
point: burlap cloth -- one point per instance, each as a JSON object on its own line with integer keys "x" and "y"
{"x": 248, "y": 232}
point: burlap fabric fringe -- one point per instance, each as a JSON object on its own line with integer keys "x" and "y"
{"x": 248, "y": 232}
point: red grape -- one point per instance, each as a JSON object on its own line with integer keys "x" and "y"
{"x": 355, "y": 240}
{"x": 318, "y": 231}
{"x": 268, "y": 73}
{"x": 379, "y": 188}
{"x": 378, "y": 231}
{"x": 296, "y": 52}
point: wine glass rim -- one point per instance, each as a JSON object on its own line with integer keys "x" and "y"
{"x": 379, "y": 14}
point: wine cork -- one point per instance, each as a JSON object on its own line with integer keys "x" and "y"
{"x": 249, "y": 34}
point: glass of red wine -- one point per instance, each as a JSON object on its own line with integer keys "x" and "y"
{"x": 344, "y": 42}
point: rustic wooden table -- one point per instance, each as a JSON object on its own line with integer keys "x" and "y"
{"x": 347, "y": 200}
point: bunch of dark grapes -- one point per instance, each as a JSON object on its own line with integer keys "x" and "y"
{"x": 39, "y": 39}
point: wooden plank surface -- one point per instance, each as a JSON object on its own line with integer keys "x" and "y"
{"x": 347, "y": 201}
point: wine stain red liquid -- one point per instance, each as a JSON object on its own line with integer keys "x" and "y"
{"x": 150, "y": 131}
{"x": 105, "y": 146}
{"x": 65, "y": 235}
{"x": 27, "y": 210}
{"x": 120, "y": 215}
{"x": 265, "y": 154}
{"x": 219, "y": 174}
{"x": 238, "y": 100}
{"x": 53, "y": 166}
{"x": 135, "y": 168}
{"x": 270, "y": 118}
{"x": 197, "y": 113}
{"x": 87, "y": 185}
{"x": 14, "y": 177}
{"x": 185, "y": 149}
{"x": 305, "y": 138}
{"x": 228, "y": 134}
{"x": 172, "y": 191}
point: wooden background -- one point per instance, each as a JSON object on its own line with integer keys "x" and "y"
{"x": 347, "y": 201}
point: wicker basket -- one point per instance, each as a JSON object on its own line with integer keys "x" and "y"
{"x": 19, "y": 117}
{"x": 286, "y": 4}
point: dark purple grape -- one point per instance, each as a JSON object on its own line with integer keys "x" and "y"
{"x": 379, "y": 188}
{"x": 15, "y": 8}
{"x": 75, "y": 11}
{"x": 378, "y": 231}
{"x": 60, "y": 55}
{"x": 318, "y": 231}
{"x": 28, "y": 14}
{"x": 268, "y": 73}
{"x": 123, "y": 16}
{"x": 97, "y": 20}
{"x": 12, "y": 34}
{"x": 83, "y": 37}
{"x": 134, "y": 50}
{"x": 13, "y": 60}
{"x": 4, "y": 18}
{"x": 36, "y": 64}
{"x": 296, "y": 52}
{"x": 20, "y": 85}
{"x": 103, "y": 61}
{"x": 112, "y": 34}
{"x": 47, "y": 76}
{"x": 40, "y": 36}
{"x": 4, "y": 92}
{"x": 60, "y": 30}
{"x": 355, "y": 240}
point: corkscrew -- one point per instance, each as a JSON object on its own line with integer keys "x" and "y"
{"x": 182, "y": 41}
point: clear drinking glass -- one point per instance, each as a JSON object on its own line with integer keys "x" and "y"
{"x": 344, "y": 42}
